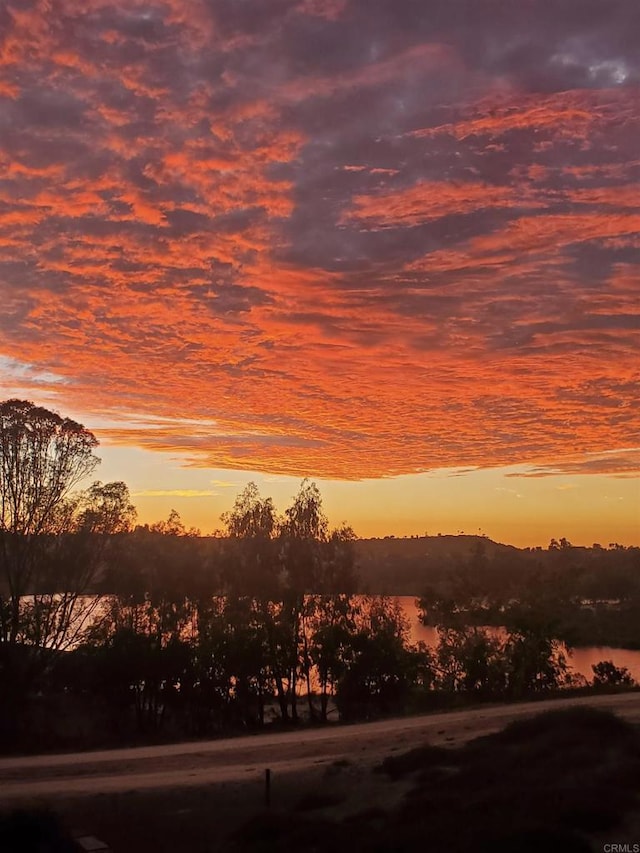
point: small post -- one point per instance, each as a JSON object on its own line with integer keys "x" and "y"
{"x": 267, "y": 787}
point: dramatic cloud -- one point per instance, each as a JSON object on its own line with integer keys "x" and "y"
{"x": 622, "y": 463}
{"x": 346, "y": 238}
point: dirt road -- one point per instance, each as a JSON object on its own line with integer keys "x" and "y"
{"x": 240, "y": 759}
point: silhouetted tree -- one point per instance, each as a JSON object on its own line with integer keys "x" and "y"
{"x": 149, "y": 627}
{"x": 606, "y": 674}
{"x": 250, "y": 564}
{"x": 59, "y": 610}
{"x": 251, "y": 571}
{"x": 472, "y": 660}
{"x": 43, "y": 457}
{"x": 536, "y": 661}
{"x": 331, "y": 623}
{"x": 304, "y": 534}
{"x": 53, "y": 544}
{"x": 379, "y": 662}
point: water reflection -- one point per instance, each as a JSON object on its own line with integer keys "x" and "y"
{"x": 580, "y": 659}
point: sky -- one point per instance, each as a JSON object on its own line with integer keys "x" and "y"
{"x": 392, "y": 245}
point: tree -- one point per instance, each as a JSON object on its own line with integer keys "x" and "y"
{"x": 105, "y": 509}
{"x": 250, "y": 558}
{"x": 379, "y": 664}
{"x": 328, "y": 614}
{"x": 155, "y": 615}
{"x": 471, "y": 659}
{"x": 77, "y": 554}
{"x": 304, "y": 535}
{"x": 332, "y": 627}
{"x": 43, "y": 457}
{"x": 251, "y": 574}
{"x": 606, "y": 674}
{"x": 52, "y": 546}
{"x": 536, "y": 661}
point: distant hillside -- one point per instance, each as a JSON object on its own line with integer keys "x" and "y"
{"x": 394, "y": 566}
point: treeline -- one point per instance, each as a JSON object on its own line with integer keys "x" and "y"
{"x": 112, "y": 632}
{"x": 194, "y": 637}
{"x": 583, "y": 596}
{"x": 408, "y": 566}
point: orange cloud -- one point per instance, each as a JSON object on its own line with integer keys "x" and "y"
{"x": 428, "y": 201}
{"x": 566, "y": 115}
{"x": 381, "y": 258}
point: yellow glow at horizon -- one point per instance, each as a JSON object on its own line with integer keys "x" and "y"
{"x": 522, "y": 511}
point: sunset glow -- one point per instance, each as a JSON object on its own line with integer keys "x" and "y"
{"x": 392, "y": 246}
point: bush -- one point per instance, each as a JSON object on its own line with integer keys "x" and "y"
{"x": 606, "y": 674}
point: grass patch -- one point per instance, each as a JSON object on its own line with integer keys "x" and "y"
{"x": 336, "y": 767}
{"x": 340, "y": 764}
{"x": 542, "y": 784}
{"x": 420, "y": 758}
{"x": 318, "y": 800}
{"x": 562, "y": 772}
{"x": 566, "y": 727}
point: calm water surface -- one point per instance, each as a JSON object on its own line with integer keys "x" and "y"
{"x": 580, "y": 659}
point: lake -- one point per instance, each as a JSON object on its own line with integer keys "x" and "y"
{"x": 580, "y": 659}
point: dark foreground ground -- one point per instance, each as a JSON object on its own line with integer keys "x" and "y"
{"x": 563, "y": 780}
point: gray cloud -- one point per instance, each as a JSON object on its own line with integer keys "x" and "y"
{"x": 403, "y": 203}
